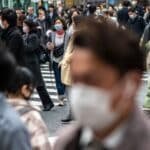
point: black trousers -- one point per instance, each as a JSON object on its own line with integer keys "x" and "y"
{"x": 44, "y": 96}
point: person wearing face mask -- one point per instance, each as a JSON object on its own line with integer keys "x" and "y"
{"x": 136, "y": 23}
{"x": 66, "y": 63}
{"x": 19, "y": 92}
{"x": 104, "y": 92}
{"x": 32, "y": 44}
{"x": 55, "y": 46}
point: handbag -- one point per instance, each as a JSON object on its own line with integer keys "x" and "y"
{"x": 58, "y": 51}
{"x": 42, "y": 55}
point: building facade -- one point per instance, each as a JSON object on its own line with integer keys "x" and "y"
{"x": 25, "y": 3}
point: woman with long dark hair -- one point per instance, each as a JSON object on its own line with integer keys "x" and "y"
{"x": 32, "y": 43}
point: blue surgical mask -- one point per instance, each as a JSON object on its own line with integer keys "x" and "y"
{"x": 58, "y": 27}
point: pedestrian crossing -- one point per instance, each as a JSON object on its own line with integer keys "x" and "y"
{"x": 49, "y": 79}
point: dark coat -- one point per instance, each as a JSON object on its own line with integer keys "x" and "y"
{"x": 12, "y": 38}
{"x": 137, "y": 25}
{"x": 51, "y": 20}
{"x": 32, "y": 43}
{"x": 123, "y": 16}
{"x": 146, "y": 35}
{"x": 43, "y": 24}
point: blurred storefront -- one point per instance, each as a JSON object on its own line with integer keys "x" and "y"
{"x": 68, "y": 3}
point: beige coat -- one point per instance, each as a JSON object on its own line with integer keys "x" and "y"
{"x": 65, "y": 66}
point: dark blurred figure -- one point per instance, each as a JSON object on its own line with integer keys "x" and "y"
{"x": 30, "y": 14}
{"x": 92, "y": 10}
{"x": 11, "y": 35}
{"x": 136, "y": 23}
{"x": 147, "y": 15}
{"x": 52, "y": 15}
{"x": 20, "y": 18}
{"x": 138, "y": 7}
{"x": 43, "y": 24}
{"x": 13, "y": 135}
{"x": 104, "y": 91}
{"x": 32, "y": 44}
{"x": 19, "y": 12}
{"x": 146, "y": 36}
{"x": 122, "y": 14}
{"x": 60, "y": 8}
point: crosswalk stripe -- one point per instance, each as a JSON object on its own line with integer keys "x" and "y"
{"x": 45, "y": 71}
{"x": 48, "y": 75}
{"x": 50, "y": 84}
{"x": 49, "y": 79}
{"x": 52, "y": 96}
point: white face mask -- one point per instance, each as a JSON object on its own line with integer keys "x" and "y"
{"x": 25, "y": 29}
{"x": 91, "y": 107}
{"x": 1, "y": 24}
{"x": 134, "y": 3}
{"x": 132, "y": 16}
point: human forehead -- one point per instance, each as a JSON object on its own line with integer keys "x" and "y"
{"x": 58, "y": 21}
{"x": 85, "y": 59}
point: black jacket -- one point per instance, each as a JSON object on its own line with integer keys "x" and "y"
{"x": 146, "y": 35}
{"x": 137, "y": 25}
{"x": 123, "y": 16}
{"x": 12, "y": 38}
{"x": 51, "y": 20}
{"x": 32, "y": 43}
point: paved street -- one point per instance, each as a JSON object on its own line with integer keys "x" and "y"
{"x": 53, "y": 118}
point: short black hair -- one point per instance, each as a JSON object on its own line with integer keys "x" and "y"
{"x": 7, "y": 67}
{"x": 115, "y": 46}
{"x": 22, "y": 76}
{"x": 51, "y": 6}
{"x": 92, "y": 9}
{"x": 10, "y": 16}
{"x": 31, "y": 24}
{"x": 126, "y": 3}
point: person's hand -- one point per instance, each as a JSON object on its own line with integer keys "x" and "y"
{"x": 60, "y": 64}
{"x": 50, "y": 46}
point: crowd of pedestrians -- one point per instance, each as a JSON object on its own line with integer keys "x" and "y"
{"x": 98, "y": 55}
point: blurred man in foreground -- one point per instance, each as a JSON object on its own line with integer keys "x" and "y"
{"x": 106, "y": 70}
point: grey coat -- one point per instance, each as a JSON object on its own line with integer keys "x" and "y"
{"x": 13, "y": 135}
{"x": 136, "y": 137}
